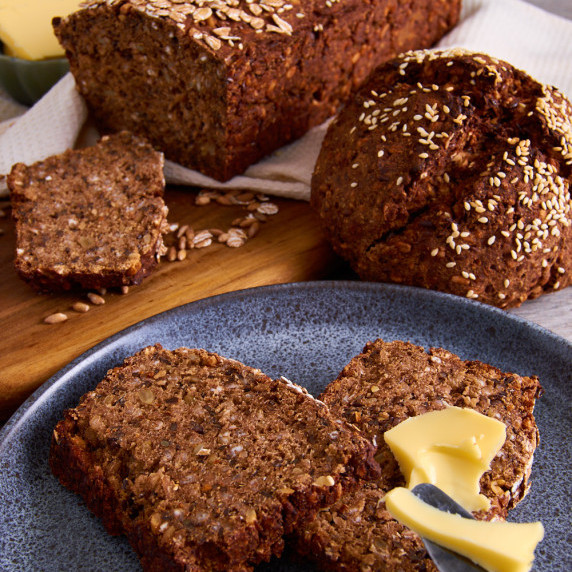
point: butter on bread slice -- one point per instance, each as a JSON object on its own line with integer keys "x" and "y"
{"x": 386, "y": 384}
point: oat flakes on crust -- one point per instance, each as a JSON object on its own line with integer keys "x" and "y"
{"x": 451, "y": 170}
{"x": 218, "y": 84}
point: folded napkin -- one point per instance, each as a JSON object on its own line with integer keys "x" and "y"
{"x": 523, "y": 35}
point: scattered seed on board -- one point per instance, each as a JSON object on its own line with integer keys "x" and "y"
{"x": 248, "y": 221}
{"x": 56, "y": 318}
{"x": 267, "y": 208}
{"x": 95, "y": 299}
{"x": 202, "y": 200}
{"x": 81, "y": 307}
{"x": 203, "y": 243}
{"x": 242, "y": 228}
{"x": 201, "y": 237}
{"x": 253, "y": 229}
{"x": 235, "y": 241}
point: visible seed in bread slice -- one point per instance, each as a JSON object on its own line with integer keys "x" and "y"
{"x": 90, "y": 218}
{"x": 205, "y": 463}
{"x": 384, "y": 385}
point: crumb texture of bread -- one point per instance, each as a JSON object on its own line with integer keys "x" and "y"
{"x": 451, "y": 170}
{"x": 218, "y": 84}
{"x": 90, "y": 218}
{"x": 205, "y": 463}
{"x": 384, "y": 385}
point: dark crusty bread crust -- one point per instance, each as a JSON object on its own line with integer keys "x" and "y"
{"x": 90, "y": 218}
{"x": 204, "y": 463}
{"x": 216, "y": 85}
{"x": 384, "y": 385}
{"x": 451, "y": 170}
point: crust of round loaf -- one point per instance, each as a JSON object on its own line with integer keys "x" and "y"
{"x": 451, "y": 170}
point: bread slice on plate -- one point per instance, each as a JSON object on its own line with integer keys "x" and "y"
{"x": 203, "y": 462}
{"x": 381, "y": 387}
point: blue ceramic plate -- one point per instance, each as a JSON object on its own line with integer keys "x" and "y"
{"x": 306, "y": 332}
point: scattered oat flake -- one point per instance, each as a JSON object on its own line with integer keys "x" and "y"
{"x": 267, "y": 208}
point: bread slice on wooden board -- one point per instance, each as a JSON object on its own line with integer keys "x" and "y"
{"x": 90, "y": 218}
{"x": 451, "y": 170}
{"x": 205, "y": 463}
{"x": 384, "y": 385}
{"x": 218, "y": 84}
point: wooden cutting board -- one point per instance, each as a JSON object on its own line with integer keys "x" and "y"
{"x": 288, "y": 248}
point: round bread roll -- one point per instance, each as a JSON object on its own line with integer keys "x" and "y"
{"x": 451, "y": 170}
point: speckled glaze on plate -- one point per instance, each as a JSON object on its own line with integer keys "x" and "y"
{"x": 306, "y": 332}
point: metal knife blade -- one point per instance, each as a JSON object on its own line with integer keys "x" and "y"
{"x": 446, "y": 560}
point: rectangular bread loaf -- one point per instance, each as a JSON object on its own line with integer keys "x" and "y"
{"x": 218, "y": 84}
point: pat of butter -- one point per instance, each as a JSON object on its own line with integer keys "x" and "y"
{"x": 26, "y": 27}
{"x": 451, "y": 449}
{"x": 496, "y": 546}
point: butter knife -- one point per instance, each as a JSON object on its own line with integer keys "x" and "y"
{"x": 446, "y": 560}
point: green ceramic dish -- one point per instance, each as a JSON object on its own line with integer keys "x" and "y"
{"x": 26, "y": 81}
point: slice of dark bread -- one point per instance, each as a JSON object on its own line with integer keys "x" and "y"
{"x": 205, "y": 463}
{"x": 90, "y": 218}
{"x": 384, "y": 385}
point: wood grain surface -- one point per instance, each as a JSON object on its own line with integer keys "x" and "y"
{"x": 288, "y": 248}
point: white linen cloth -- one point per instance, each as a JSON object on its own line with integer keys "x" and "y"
{"x": 526, "y": 36}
